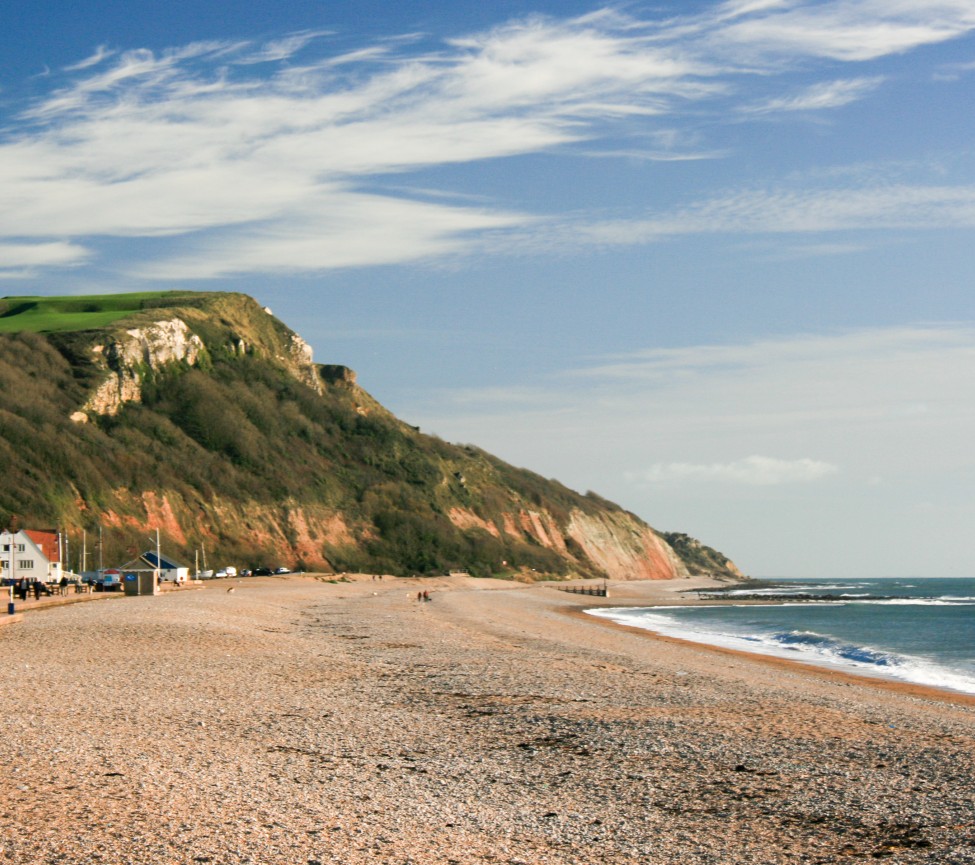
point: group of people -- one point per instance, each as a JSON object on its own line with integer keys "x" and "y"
{"x": 24, "y": 586}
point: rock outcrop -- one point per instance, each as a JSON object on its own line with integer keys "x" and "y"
{"x": 127, "y": 357}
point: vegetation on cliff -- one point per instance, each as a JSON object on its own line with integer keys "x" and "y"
{"x": 252, "y": 451}
{"x": 699, "y": 558}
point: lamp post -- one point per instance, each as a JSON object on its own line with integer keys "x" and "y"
{"x": 158, "y": 571}
{"x": 10, "y": 570}
{"x": 158, "y": 558}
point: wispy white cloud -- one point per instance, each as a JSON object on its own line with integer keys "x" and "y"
{"x": 819, "y": 97}
{"x": 849, "y": 30}
{"x": 753, "y": 471}
{"x": 251, "y": 161}
{"x": 280, "y": 49}
{"x": 21, "y": 258}
{"x": 348, "y": 230}
{"x": 801, "y": 211}
{"x": 101, "y": 53}
{"x": 867, "y": 351}
{"x": 953, "y": 71}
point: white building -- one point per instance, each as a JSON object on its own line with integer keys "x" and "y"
{"x": 31, "y": 553}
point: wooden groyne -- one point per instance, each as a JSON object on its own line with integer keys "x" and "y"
{"x": 597, "y": 591}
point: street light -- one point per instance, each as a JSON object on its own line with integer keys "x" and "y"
{"x": 158, "y": 557}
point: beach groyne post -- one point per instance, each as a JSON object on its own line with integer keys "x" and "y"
{"x": 598, "y": 591}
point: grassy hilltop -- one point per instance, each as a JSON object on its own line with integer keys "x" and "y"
{"x": 263, "y": 461}
{"x": 88, "y": 312}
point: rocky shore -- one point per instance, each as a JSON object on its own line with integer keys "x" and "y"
{"x": 296, "y": 720}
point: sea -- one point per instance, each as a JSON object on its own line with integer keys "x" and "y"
{"x": 920, "y": 631}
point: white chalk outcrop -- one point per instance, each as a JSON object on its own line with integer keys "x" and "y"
{"x": 127, "y": 358}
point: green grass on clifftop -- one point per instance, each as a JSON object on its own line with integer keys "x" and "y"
{"x": 76, "y": 313}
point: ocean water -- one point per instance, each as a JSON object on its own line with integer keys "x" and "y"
{"x": 910, "y": 630}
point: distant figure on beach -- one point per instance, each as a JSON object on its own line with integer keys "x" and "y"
{"x": 419, "y": 596}
{"x": 22, "y": 588}
{"x": 426, "y": 595}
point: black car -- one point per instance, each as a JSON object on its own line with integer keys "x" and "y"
{"x": 262, "y": 572}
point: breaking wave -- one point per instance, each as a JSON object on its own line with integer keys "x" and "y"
{"x": 805, "y": 646}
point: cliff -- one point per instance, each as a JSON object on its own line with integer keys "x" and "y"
{"x": 206, "y": 417}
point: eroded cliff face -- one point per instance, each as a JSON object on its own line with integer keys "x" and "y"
{"x": 616, "y": 543}
{"x": 288, "y": 533}
{"x": 625, "y": 548}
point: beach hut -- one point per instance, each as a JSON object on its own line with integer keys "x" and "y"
{"x": 169, "y": 570}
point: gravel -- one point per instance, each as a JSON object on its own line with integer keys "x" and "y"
{"x": 303, "y": 721}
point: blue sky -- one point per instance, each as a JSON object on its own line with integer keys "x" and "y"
{"x": 711, "y": 260}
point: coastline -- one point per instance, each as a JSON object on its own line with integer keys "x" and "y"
{"x": 656, "y": 597}
{"x": 301, "y": 720}
{"x": 927, "y": 692}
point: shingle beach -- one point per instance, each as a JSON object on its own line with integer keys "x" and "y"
{"x": 301, "y": 721}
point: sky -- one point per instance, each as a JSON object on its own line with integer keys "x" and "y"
{"x": 711, "y": 260}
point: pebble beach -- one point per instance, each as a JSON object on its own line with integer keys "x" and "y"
{"x": 307, "y": 721}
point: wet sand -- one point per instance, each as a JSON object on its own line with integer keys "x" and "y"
{"x": 299, "y": 721}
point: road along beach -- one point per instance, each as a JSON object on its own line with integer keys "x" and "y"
{"x": 296, "y": 720}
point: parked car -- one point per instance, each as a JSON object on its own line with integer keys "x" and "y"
{"x": 221, "y": 574}
{"x": 282, "y": 570}
{"x": 262, "y": 572}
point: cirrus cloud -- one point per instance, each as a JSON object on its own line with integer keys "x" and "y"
{"x": 243, "y": 156}
{"x": 754, "y": 471}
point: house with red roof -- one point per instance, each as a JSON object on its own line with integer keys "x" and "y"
{"x": 31, "y": 553}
